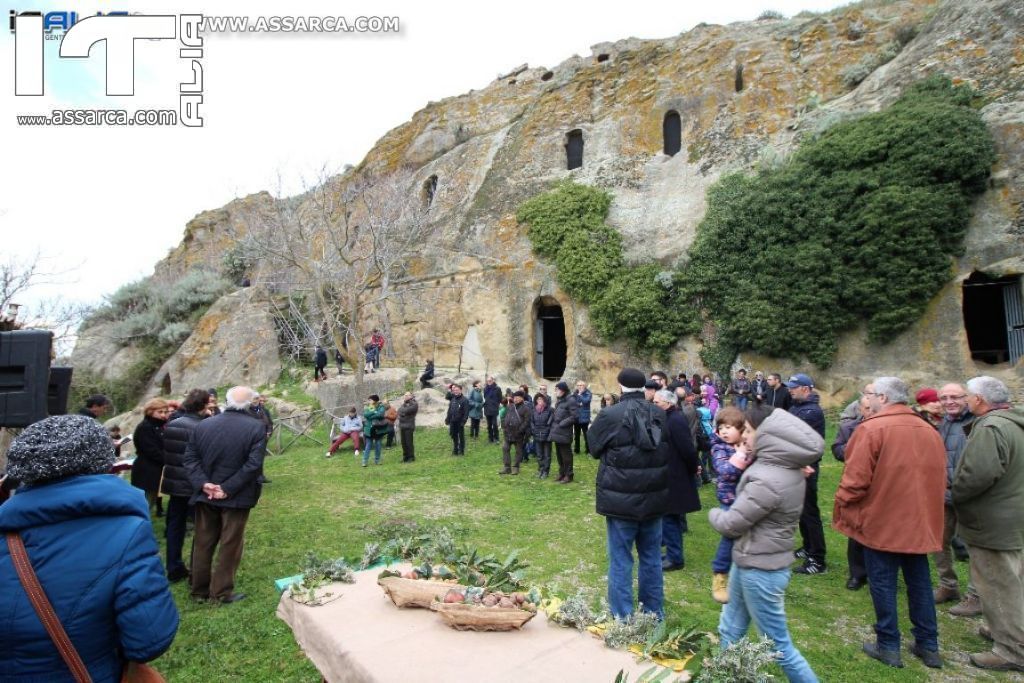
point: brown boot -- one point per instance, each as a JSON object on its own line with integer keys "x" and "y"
{"x": 720, "y": 588}
{"x": 515, "y": 470}
{"x": 943, "y": 594}
{"x": 505, "y": 471}
{"x": 990, "y": 660}
{"x": 968, "y": 607}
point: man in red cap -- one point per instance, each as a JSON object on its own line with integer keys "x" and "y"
{"x": 929, "y": 406}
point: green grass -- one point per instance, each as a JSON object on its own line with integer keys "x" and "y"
{"x": 326, "y": 506}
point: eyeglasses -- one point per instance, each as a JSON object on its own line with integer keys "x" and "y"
{"x": 958, "y": 397}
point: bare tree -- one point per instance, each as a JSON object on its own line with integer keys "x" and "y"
{"x": 337, "y": 256}
{"x": 21, "y": 308}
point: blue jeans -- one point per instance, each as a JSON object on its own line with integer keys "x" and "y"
{"x": 883, "y": 569}
{"x": 760, "y": 595}
{"x": 722, "y": 560}
{"x": 741, "y": 402}
{"x": 672, "y": 529}
{"x": 622, "y": 535}
{"x": 374, "y": 443}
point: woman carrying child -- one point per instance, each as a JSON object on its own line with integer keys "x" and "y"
{"x": 763, "y": 520}
{"x": 730, "y": 458}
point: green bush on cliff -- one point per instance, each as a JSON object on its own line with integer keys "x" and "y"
{"x": 635, "y": 304}
{"x": 860, "y": 224}
{"x": 568, "y": 208}
{"x": 154, "y": 318}
{"x": 162, "y": 315}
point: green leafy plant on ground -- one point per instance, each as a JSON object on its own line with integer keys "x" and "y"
{"x": 744, "y": 661}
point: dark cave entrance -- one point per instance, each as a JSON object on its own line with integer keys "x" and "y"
{"x": 994, "y": 318}
{"x": 672, "y": 132}
{"x": 574, "y": 149}
{"x": 549, "y": 344}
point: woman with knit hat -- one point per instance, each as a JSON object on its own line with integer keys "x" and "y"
{"x": 88, "y": 538}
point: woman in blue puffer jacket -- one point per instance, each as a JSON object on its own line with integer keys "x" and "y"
{"x": 91, "y": 544}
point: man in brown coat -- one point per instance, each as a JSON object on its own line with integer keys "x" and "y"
{"x": 890, "y": 500}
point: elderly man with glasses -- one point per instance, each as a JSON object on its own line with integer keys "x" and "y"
{"x": 958, "y": 417}
{"x": 988, "y": 495}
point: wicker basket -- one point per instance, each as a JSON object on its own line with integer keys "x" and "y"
{"x": 415, "y": 592}
{"x": 479, "y": 618}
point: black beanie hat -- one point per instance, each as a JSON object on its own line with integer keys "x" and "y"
{"x": 631, "y": 378}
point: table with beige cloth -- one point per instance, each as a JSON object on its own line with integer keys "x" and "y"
{"x": 361, "y": 637}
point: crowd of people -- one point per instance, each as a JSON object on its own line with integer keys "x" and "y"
{"x": 916, "y": 481}
{"x": 659, "y": 440}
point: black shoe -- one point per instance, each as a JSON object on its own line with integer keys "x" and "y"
{"x": 855, "y": 584}
{"x": 810, "y": 567}
{"x": 888, "y": 657}
{"x": 930, "y": 658}
{"x": 177, "y": 575}
{"x": 667, "y": 566}
{"x": 801, "y": 554}
{"x": 234, "y": 597}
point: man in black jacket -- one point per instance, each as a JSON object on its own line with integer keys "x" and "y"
{"x": 258, "y": 409}
{"x": 175, "y": 483}
{"x": 223, "y": 459}
{"x": 516, "y": 428}
{"x": 566, "y": 413}
{"x": 805, "y": 405}
{"x": 632, "y": 494}
{"x": 777, "y": 395}
{"x": 458, "y": 413}
{"x": 407, "y": 425}
{"x": 492, "y": 402}
{"x": 319, "y": 364}
{"x": 854, "y": 550}
{"x": 96, "y": 406}
{"x": 677, "y": 442}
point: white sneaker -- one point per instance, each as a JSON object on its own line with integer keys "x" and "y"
{"x": 328, "y": 454}
{"x": 356, "y": 452}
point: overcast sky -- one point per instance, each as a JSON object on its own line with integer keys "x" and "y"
{"x": 107, "y": 202}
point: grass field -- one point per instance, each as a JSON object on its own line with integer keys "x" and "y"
{"x": 327, "y": 506}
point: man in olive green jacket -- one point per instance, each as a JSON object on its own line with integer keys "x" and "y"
{"x": 988, "y": 495}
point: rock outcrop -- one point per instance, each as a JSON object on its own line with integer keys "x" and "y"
{"x": 744, "y": 92}
{"x": 235, "y": 342}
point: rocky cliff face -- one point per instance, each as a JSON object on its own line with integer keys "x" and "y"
{"x": 744, "y": 92}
